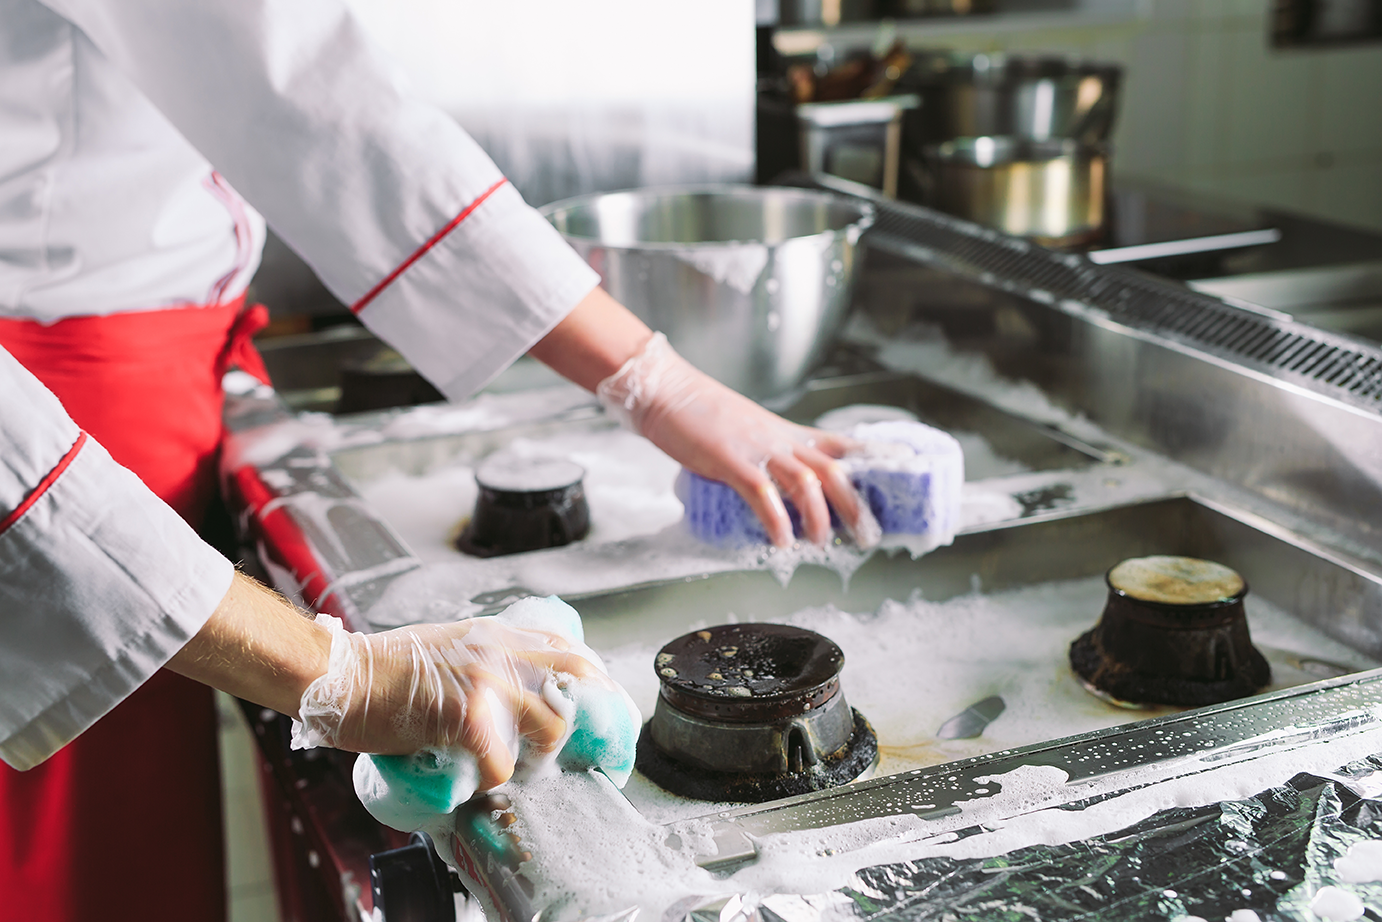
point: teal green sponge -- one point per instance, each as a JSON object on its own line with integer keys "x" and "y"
{"x": 412, "y": 791}
{"x": 551, "y": 615}
{"x": 405, "y": 791}
{"x": 604, "y": 731}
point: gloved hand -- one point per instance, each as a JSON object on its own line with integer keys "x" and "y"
{"x": 722, "y": 435}
{"x": 475, "y": 685}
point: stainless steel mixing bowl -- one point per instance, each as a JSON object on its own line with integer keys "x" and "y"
{"x": 750, "y": 284}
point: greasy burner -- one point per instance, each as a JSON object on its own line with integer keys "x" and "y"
{"x": 1173, "y": 632}
{"x": 753, "y": 712}
{"x": 525, "y": 504}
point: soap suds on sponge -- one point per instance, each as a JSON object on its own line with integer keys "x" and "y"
{"x": 421, "y": 790}
{"x": 909, "y": 475}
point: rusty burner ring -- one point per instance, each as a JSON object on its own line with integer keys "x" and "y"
{"x": 752, "y": 712}
{"x": 1173, "y": 631}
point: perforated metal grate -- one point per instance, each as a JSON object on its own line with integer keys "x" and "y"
{"x": 1327, "y": 363}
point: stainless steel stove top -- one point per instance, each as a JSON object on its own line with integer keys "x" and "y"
{"x": 1146, "y": 419}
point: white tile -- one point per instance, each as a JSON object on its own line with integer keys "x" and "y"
{"x": 1206, "y": 98}
{"x": 1211, "y": 11}
{"x": 1060, "y": 44}
{"x": 236, "y": 741}
{"x": 1172, "y": 13}
{"x": 1287, "y": 188}
{"x": 1114, "y": 49}
{"x": 1351, "y": 193}
{"x": 249, "y": 863}
{"x": 1152, "y": 125}
{"x": 254, "y": 907}
{"x": 1269, "y": 115}
{"x": 1255, "y": 10}
{"x": 1350, "y": 99}
{"x": 248, "y": 858}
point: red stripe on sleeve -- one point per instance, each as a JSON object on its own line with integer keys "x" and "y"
{"x": 43, "y": 484}
{"x": 435, "y": 239}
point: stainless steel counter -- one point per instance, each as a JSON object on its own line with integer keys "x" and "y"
{"x": 1165, "y": 421}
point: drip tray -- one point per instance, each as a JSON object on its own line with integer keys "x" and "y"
{"x": 994, "y": 615}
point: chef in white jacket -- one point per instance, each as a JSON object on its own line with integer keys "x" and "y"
{"x": 123, "y": 263}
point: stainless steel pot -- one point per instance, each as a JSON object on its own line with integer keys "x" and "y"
{"x": 750, "y": 284}
{"x": 1051, "y": 191}
{"x": 1040, "y": 98}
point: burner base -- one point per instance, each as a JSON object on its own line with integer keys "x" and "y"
{"x": 848, "y": 763}
{"x": 1100, "y": 670}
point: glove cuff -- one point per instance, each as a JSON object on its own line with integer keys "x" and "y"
{"x": 326, "y": 699}
{"x": 630, "y": 394}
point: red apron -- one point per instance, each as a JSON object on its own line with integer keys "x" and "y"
{"x": 125, "y": 821}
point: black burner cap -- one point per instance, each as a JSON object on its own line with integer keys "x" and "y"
{"x": 749, "y": 672}
{"x": 525, "y": 504}
{"x": 836, "y": 768}
{"x": 1173, "y": 631}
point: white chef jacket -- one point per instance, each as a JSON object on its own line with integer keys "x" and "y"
{"x": 112, "y": 113}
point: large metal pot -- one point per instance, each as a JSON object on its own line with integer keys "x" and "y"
{"x": 1039, "y": 98}
{"x": 750, "y": 284}
{"x": 1050, "y": 191}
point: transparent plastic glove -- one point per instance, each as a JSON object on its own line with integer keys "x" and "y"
{"x": 474, "y": 685}
{"x": 722, "y": 435}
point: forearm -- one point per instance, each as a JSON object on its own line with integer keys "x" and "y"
{"x": 593, "y": 341}
{"x": 256, "y": 646}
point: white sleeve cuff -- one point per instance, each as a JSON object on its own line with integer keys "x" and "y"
{"x": 482, "y": 296}
{"x": 100, "y": 584}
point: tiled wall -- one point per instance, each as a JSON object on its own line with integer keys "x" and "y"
{"x": 1209, "y": 105}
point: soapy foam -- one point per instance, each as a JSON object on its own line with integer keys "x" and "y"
{"x": 1362, "y": 864}
{"x": 981, "y": 461}
{"x": 912, "y": 665}
{"x": 593, "y": 856}
{"x": 737, "y": 265}
{"x": 843, "y": 419}
{"x": 925, "y": 352}
{"x": 517, "y": 474}
{"x": 321, "y": 432}
{"x": 628, "y": 486}
{"x": 636, "y": 535}
{"x": 1335, "y": 905}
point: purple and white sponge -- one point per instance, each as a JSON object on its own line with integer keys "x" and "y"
{"x": 908, "y": 474}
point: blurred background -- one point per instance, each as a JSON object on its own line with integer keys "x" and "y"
{"x": 1273, "y": 103}
{"x": 1239, "y": 140}
{"x": 1270, "y": 103}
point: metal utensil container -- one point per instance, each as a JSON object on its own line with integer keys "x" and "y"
{"x": 1050, "y": 191}
{"x": 859, "y": 140}
{"x": 750, "y": 284}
